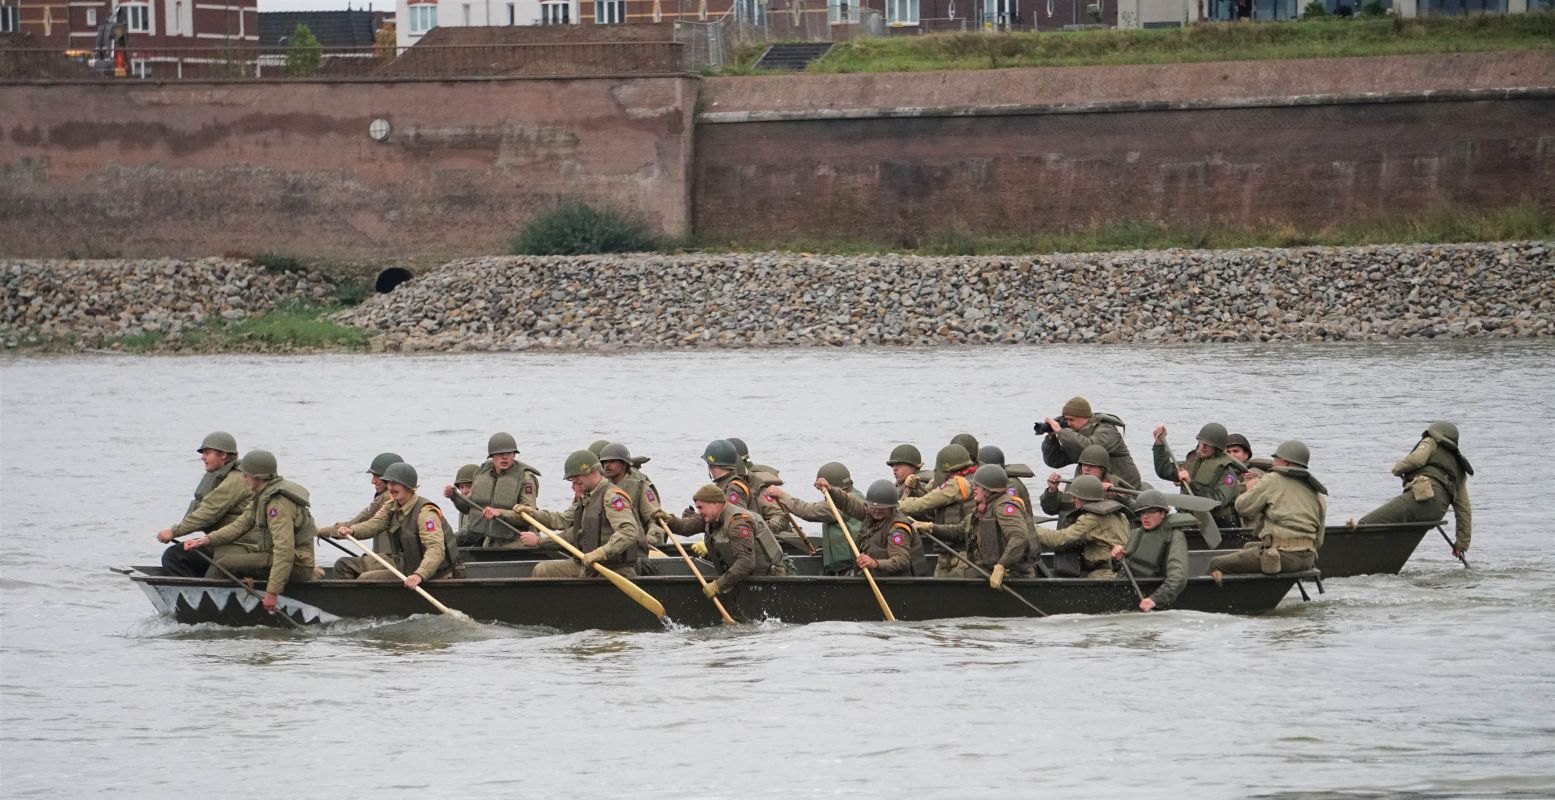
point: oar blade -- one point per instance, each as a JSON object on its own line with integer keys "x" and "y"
{"x": 1208, "y": 529}
{"x": 1191, "y": 502}
{"x": 631, "y": 590}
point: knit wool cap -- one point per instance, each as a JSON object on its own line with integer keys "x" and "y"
{"x": 1077, "y": 407}
{"x": 710, "y": 494}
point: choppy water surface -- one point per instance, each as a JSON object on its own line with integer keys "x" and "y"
{"x": 1438, "y": 682}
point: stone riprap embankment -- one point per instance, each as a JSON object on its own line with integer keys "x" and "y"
{"x": 97, "y": 303}
{"x": 765, "y": 299}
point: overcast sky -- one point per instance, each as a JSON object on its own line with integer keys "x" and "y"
{"x": 323, "y": 5}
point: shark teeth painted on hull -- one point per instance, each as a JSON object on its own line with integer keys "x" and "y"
{"x": 232, "y": 606}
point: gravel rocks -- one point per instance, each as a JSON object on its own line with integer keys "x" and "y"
{"x": 604, "y": 303}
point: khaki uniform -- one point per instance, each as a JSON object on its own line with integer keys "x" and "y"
{"x": 220, "y": 498}
{"x": 645, "y": 502}
{"x": 1061, "y": 504}
{"x": 751, "y": 486}
{"x": 516, "y": 485}
{"x": 1434, "y": 478}
{"x": 419, "y": 539}
{"x": 1100, "y": 526}
{"x": 601, "y": 518}
{"x": 891, "y": 542}
{"x": 738, "y": 544}
{"x": 1291, "y": 508}
{"x": 1161, "y": 553}
{"x": 1218, "y": 477}
{"x": 996, "y": 534}
{"x": 836, "y": 556}
{"x": 381, "y": 541}
{"x": 948, "y": 504}
{"x": 1063, "y": 448}
{"x": 283, "y": 533}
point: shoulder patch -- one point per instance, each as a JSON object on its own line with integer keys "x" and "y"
{"x": 734, "y": 497}
{"x": 743, "y": 532}
{"x": 898, "y": 539}
{"x": 431, "y": 525}
{"x": 1230, "y": 478}
{"x": 650, "y": 494}
{"x": 1011, "y": 508}
{"x": 1012, "y": 491}
{"x": 618, "y": 503}
{"x": 962, "y": 487}
{"x": 274, "y": 512}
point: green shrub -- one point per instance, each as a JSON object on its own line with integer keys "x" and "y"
{"x": 1374, "y": 9}
{"x": 1315, "y": 9}
{"x": 274, "y": 262}
{"x": 304, "y": 54}
{"x": 577, "y": 228}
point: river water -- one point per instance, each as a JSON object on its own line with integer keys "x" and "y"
{"x": 1439, "y": 682}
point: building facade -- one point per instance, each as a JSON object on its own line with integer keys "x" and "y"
{"x": 152, "y": 24}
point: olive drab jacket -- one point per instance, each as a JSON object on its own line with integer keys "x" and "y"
{"x": 891, "y": 542}
{"x": 280, "y": 525}
{"x": 836, "y": 556}
{"x": 748, "y": 486}
{"x": 602, "y": 517}
{"x": 381, "y": 542}
{"x": 1218, "y": 477}
{"x": 1433, "y": 467}
{"x": 220, "y": 498}
{"x": 998, "y": 533}
{"x": 1063, "y": 448}
{"x": 1061, "y": 503}
{"x": 420, "y": 538}
{"x": 949, "y": 503}
{"x": 1099, "y": 527}
{"x": 1161, "y": 553}
{"x": 1290, "y": 506}
{"x": 738, "y": 544}
{"x": 645, "y": 502}
{"x": 516, "y": 485}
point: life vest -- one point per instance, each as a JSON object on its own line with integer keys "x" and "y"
{"x": 988, "y": 539}
{"x": 1445, "y": 468}
{"x": 502, "y": 492}
{"x": 304, "y": 529}
{"x": 836, "y": 556}
{"x": 720, "y": 548}
{"x": 1152, "y": 548}
{"x": 407, "y": 540}
{"x": 594, "y": 527}
{"x": 955, "y": 512}
{"x": 208, "y": 483}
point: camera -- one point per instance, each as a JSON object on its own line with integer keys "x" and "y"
{"x": 1041, "y": 427}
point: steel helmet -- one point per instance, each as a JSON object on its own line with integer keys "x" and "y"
{"x": 905, "y": 454}
{"x": 952, "y": 457}
{"x": 580, "y": 462}
{"x": 991, "y": 477}
{"x": 614, "y": 452}
{"x": 226, "y": 443}
{"x": 501, "y": 443}
{"x": 967, "y": 441}
{"x": 1095, "y": 455}
{"x": 1444, "y": 432}
{"x": 401, "y": 473}
{"x": 1238, "y": 440}
{"x": 1214, "y": 434}
{"x": 721, "y": 453}
{"x": 1087, "y": 488}
{"x": 258, "y": 464}
{"x": 598, "y": 445}
{"x": 466, "y": 473}
{"x": 836, "y": 474}
{"x": 881, "y": 494}
{"x": 1294, "y": 451}
{"x": 382, "y": 461}
{"x": 739, "y": 446}
{"x": 988, "y": 454}
{"x": 1150, "y": 498}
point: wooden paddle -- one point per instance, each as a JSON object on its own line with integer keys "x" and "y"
{"x": 1453, "y": 547}
{"x": 847, "y": 536}
{"x": 245, "y": 587}
{"x": 630, "y": 589}
{"x": 452, "y": 612}
{"x": 1207, "y": 527}
{"x": 931, "y": 537}
{"x": 1130, "y": 573}
{"x": 669, "y": 534}
{"x": 809, "y": 545}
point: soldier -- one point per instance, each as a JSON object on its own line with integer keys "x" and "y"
{"x": 949, "y": 502}
{"x": 1157, "y": 548}
{"x": 280, "y": 526}
{"x": 745, "y": 458}
{"x": 836, "y": 556}
{"x": 997, "y": 533}
{"x": 742, "y": 488}
{"x": 421, "y": 543}
{"x": 500, "y": 484}
{"x": 1101, "y": 525}
{"x": 616, "y": 461}
{"x": 1094, "y": 461}
{"x": 380, "y": 462}
{"x": 905, "y": 461}
{"x": 1239, "y": 448}
{"x": 988, "y": 454}
{"x": 1208, "y": 471}
{"x": 219, "y": 499}
{"x": 464, "y": 482}
{"x": 1290, "y": 506}
{"x": 1064, "y": 438}
{"x": 889, "y": 545}
{"x": 735, "y": 539}
{"x": 1435, "y": 476}
{"x": 601, "y": 522}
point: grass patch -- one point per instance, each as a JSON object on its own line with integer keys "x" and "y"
{"x": 1326, "y": 37}
{"x": 576, "y": 228}
{"x": 1444, "y": 226}
{"x": 274, "y": 262}
{"x": 296, "y": 326}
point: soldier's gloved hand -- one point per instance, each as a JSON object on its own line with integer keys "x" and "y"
{"x": 699, "y": 549}
{"x": 711, "y": 589}
{"x": 597, "y": 554}
{"x": 662, "y": 516}
{"x": 522, "y": 509}
{"x": 923, "y": 527}
{"x": 996, "y": 580}
{"x": 912, "y": 482}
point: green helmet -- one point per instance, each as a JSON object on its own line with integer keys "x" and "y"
{"x": 991, "y": 477}
{"x": 882, "y": 494}
{"x": 598, "y": 445}
{"x": 258, "y": 464}
{"x": 1443, "y": 432}
{"x": 905, "y": 454}
{"x": 401, "y": 473}
{"x": 721, "y": 453}
{"x": 1294, "y": 451}
{"x": 952, "y": 457}
{"x": 501, "y": 443}
{"x": 1214, "y": 434}
{"x": 466, "y": 473}
{"x": 739, "y": 446}
{"x": 382, "y": 461}
{"x": 581, "y": 462}
{"x": 967, "y": 441}
{"x": 836, "y": 474}
{"x": 226, "y": 443}
{"x": 1095, "y": 455}
{"x": 1149, "y": 498}
{"x": 614, "y": 452}
{"x": 988, "y": 454}
{"x": 1087, "y": 488}
{"x": 1238, "y": 440}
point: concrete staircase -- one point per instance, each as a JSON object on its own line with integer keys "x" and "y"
{"x": 792, "y": 57}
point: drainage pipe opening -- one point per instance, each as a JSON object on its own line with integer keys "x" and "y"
{"x": 390, "y": 278}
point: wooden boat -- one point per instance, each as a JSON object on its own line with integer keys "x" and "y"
{"x": 500, "y": 591}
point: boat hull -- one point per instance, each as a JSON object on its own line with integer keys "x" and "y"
{"x": 1346, "y": 551}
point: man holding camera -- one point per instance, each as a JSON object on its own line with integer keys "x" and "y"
{"x": 1076, "y": 428}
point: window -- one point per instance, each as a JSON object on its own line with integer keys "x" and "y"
{"x": 423, "y": 18}
{"x": 91, "y": 18}
{"x": 512, "y": 14}
{"x": 841, "y": 11}
{"x": 10, "y": 19}
{"x": 609, "y": 12}
{"x": 902, "y": 12}
{"x": 139, "y": 15}
{"x": 556, "y": 12}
